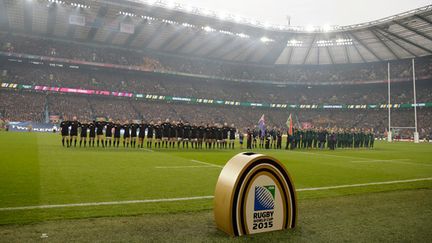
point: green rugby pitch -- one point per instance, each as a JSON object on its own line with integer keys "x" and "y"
{"x": 47, "y": 185}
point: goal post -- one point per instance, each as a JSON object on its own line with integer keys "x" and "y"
{"x": 392, "y": 130}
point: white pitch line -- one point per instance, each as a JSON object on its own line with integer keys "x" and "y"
{"x": 397, "y": 161}
{"x": 378, "y": 160}
{"x": 362, "y": 159}
{"x": 198, "y": 197}
{"x": 186, "y": 166}
{"x": 205, "y": 163}
{"x": 106, "y": 203}
{"x": 363, "y": 184}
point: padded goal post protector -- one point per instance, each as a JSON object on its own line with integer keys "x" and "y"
{"x": 254, "y": 193}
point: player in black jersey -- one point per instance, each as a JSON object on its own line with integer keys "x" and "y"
{"x": 166, "y": 129}
{"x": 64, "y": 128}
{"x": 218, "y": 135}
{"x": 99, "y": 132}
{"x": 117, "y": 132}
{"x": 207, "y": 136}
{"x": 133, "y": 129}
{"x": 92, "y": 134}
{"x": 186, "y": 134}
{"x": 109, "y": 132}
{"x": 232, "y": 132}
{"x": 83, "y": 134}
{"x": 141, "y": 134}
{"x": 213, "y": 135}
{"x": 201, "y": 132}
{"x": 150, "y": 131}
{"x": 179, "y": 133}
{"x": 173, "y": 134}
{"x": 194, "y": 136}
{"x": 126, "y": 134}
{"x": 278, "y": 139}
{"x": 158, "y": 134}
{"x": 249, "y": 139}
{"x": 225, "y": 130}
{"x": 74, "y": 124}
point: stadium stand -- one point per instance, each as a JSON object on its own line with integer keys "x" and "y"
{"x": 48, "y": 60}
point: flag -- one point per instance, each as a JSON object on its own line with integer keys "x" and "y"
{"x": 289, "y": 125}
{"x": 261, "y": 125}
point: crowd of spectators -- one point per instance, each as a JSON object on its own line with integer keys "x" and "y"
{"x": 169, "y": 85}
{"x": 163, "y": 62}
{"x": 29, "y": 106}
{"x": 35, "y": 106}
{"x": 22, "y": 106}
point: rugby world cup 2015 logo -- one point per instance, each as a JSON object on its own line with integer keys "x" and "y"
{"x": 264, "y": 198}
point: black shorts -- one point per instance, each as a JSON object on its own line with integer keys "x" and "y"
{"x": 92, "y": 135}
{"x": 65, "y": 134}
{"x": 150, "y": 135}
{"x": 83, "y": 135}
{"x": 73, "y": 134}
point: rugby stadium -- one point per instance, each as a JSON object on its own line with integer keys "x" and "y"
{"x": 127, "y": 120}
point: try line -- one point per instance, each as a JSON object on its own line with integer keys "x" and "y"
{"x": 199, "y": 197}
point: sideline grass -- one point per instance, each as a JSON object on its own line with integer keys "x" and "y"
{"x": 406, "y": 216}
{"x": 36, "y": 170}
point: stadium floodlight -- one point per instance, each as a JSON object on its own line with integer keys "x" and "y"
{"x": 56, "y": 1}
{"x": 242, "y": 35}
{"x": 344, "y": 42}
{"x": 208, "y": 29}
{"x": 322, "y": 43}
{"x": 295, "y": 43}
{"x": 126, "y": 14}
{"x": 188, "y": 25}
{"x": 265, "y": 39}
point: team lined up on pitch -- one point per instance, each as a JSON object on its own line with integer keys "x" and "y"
{"x": 163, "y": 135}
{"x": 178, "y": 134}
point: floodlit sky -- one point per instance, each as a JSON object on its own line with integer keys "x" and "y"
{"x": 310, "y": 12}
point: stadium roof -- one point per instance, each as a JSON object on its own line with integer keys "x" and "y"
{"x": 170, "y": 28}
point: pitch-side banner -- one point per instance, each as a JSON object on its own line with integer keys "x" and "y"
{"x": 32, "y": 127}
{"x": 208, "y": 101}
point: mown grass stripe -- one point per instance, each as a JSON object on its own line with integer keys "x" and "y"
{"x": 199, "y": 197}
